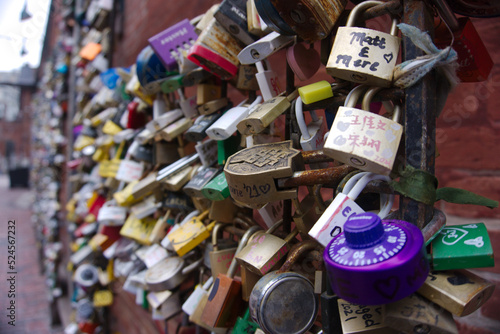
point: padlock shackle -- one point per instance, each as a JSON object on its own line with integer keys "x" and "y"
{"x": 353, "y": 97}
{"x": 447, "y": 15}
{"x": 363, "y": 181}
{"x": 355, "y": 12}
{"x": 299, "y": 114}
{"x": 297, "y": 251}
{"x": 243, "y": 242}
{"x": 367, "y": 99}
{"x": 215, "y": 232}
{"x": 292, "y": 235}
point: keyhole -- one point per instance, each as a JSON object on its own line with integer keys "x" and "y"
{"x": 421, "y": 329}
{"x": 255, "y": 54}
{"x": 297, "y": 16}
{"x": 357, "y": 162}
{"x": 358, "y": 77}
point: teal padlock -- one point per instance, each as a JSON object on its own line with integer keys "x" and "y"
{"x": 461, "y": 247}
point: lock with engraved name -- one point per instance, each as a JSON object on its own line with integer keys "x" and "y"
{"x": 252, "y": 172}
{"x": 363, "y": 139}
{"x": 364, "y": 55}
{"x": 332, "y": 221}
{"x": 459, "y": 291}
{"x": 415, "y": 314}
{"x": 264, "y": 250}
{"x": 224, "y": 301}
{"x": 461, "y": 247}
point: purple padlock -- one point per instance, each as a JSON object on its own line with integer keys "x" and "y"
{"x": 375, "y": 262}
{"x": 169, "y": 43}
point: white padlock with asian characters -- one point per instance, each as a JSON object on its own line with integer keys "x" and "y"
{"x": 331, "y": 222}
{"x": 363, "y": 139}
{"x": 364, "y": 55}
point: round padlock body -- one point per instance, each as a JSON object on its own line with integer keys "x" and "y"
{"x": 165, "y": 275}
{"x": 376, "y": 262}
{"x": 283, "y": 303}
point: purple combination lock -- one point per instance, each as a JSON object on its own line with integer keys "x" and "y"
{"x": 170, "y": 42}
{"x": 376, "y": 262}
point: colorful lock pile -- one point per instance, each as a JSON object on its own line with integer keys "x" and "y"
{"x": 202, "y": 187}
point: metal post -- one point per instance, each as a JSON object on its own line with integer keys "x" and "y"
{"x": 419, "y": 116}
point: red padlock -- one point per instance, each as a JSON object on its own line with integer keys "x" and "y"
{"x": 474, "y": 61}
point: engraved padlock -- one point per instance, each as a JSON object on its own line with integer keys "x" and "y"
{"x": 332, "y": 221}
{"x": 376, "y": 262}
{"x": 265, "y": 250}
{"x": 364, "y": 55}
{"x": 220, "y": 259}
{"x": 363, "y": 139}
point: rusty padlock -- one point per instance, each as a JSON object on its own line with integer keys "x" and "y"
{"x": 264, "y": 250}
{"x": 284, "y": 302}
{"x": 224, "y": 301}
{"x": 363, "y": 55}
{"x": 363, "y": 139}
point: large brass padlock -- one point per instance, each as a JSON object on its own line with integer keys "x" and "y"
{"x": 264, "y": 251}
{"x": 251, "y": 173}
{"x": 364, "y": 55}
{"x": 363, "y": 139}
{"x": 224, "y": 301}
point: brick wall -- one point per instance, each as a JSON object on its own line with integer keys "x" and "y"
{"x": 467, "y": 140}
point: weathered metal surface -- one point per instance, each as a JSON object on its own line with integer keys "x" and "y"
{"x": 331, "y": 175}
{"x": 419, "y": 116}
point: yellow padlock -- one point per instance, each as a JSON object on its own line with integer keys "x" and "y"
{"x": 191, "y": 234}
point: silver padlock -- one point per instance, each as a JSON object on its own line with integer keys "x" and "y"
{"x": 364, "y": 55}
{"x": 363, "y": 139}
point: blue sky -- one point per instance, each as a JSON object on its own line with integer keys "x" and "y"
{"x": 13, "y": 31}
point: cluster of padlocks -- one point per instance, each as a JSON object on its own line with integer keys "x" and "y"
{"x": 209, "y": 207}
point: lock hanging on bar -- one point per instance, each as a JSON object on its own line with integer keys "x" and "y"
{"x": 331, "y": 222}
{"x": 363, "y": 139}
{"x": 363, "y": 55}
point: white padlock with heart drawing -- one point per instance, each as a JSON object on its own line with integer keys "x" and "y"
{"x": 331, "y": 222}
{"x": 363, "y": 139}
{"x": 364, "y": 55}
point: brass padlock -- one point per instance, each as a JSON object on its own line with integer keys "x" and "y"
{"x": 224, "y": 301}
{"x": 264, "y": 250}
{"x": 458, "y": 291}
{"x": 415, "y": 314}
{"x": 220, "y": 259}
{"x": 212, "y": 106}
{"x": 252, "y": 172}
{"x": 363, "y": 318}
{"x": 363, "y": 139}
{"x": 265, "y": 114}
{"x": 363, "y": 55}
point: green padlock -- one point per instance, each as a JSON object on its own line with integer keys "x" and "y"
{"x": 245, "y": 325}
{"x": 217, "y": 189}
{"x": 172, "y": 83}
{"x": 226, "y": 148}
{"x": 462, "y": 247}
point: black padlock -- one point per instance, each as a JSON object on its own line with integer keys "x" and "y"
{"x": 197, "y": 132}
{"x": 232, "y": 15}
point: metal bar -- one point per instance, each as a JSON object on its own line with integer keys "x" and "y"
{"x": 390, "y": 7}
{"x": 287, "y": 204}
{"x": 314, "y": 157}
{"x": 325, "y": 176}
{"x": 419, "y": 116}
